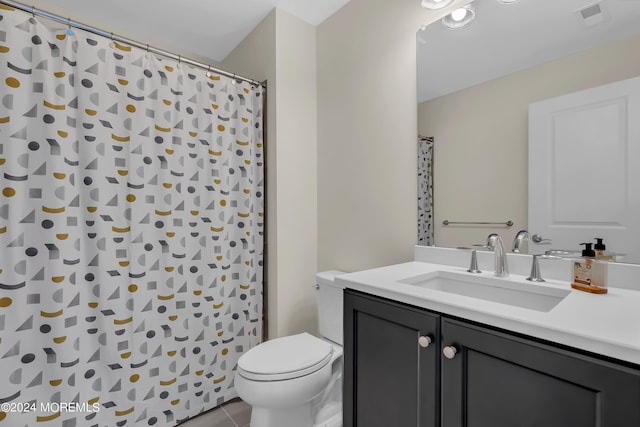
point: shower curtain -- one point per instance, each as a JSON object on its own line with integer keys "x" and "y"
{"x": 425, "y": 191}
{"x": 131, "y": 231}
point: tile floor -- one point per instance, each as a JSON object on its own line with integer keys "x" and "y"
{"x": 234, "y": 413}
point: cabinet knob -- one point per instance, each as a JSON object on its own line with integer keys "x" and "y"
{"x": 449, "y": 352}
{"x": 424, "y": 341}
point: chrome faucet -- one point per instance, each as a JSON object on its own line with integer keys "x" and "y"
{"x": 517, "y": 242}
{"x": 500, "y": 256}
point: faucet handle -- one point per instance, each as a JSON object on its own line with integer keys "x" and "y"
{"x": 536, "y": 275}
{"x": 473, "y": 267}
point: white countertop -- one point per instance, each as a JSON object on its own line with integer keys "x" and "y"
{"x": 606, "y": 324}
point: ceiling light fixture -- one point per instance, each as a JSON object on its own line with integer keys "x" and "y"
{"x": 460, "y": 17}
{"x": 436, "y": 4}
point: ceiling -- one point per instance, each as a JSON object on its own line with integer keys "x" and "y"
{"x": 507, "y": 38}
{"x": 207, "y": 28}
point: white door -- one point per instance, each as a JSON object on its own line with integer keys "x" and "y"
{"x": 584, "y": 169}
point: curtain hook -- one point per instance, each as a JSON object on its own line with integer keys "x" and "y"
{"x": 33, "y": 11}
{"x": 179, "y": 61}
{"x": 69, "y": 30}
{"x": 208, "y": 73}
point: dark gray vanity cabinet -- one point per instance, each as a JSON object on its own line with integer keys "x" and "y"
{"x": 498, "y": 379}
{"x": 390, "y": 378}
{"x": 472, "y": 375}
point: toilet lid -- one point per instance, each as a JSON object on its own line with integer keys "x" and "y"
{"x": 285, "y": 358}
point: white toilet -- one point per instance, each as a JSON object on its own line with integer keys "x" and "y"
{"x": 296, "y": 381}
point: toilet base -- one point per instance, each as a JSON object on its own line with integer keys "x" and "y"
{"x": 299, "y": 416}
{"x": 295, "y": 402}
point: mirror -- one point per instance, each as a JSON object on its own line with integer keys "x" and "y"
{"x": 474, "y": 88}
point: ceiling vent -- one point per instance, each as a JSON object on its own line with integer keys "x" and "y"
{"x": 593, "y": 14}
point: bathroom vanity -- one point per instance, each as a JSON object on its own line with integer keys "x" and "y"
{"x": 430, "y": 344}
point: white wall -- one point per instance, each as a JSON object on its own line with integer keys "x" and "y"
{"x": 481, "y": 138}
{"x": 281, "y": 50}
{"x": 367, "y": 130}
{"x": 136, "y": 34}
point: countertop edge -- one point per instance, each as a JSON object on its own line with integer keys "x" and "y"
{"x": 597, "y": 345}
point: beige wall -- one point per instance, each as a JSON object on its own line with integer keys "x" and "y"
{"x": 281, "y": 50}
{"x": 367, "y": 166}
{"x": 297, "y": 195}
{"x": 481, "y": 133}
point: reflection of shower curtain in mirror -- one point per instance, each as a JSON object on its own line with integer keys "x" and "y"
{"x": 425, "y": 191}
{"x": 131, "y": 230}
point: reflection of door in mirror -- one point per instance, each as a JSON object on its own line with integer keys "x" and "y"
{"x": 584, "y": 179}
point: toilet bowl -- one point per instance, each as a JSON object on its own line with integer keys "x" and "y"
{"x": 296, "y": 381}
{"x": 281, "y": 393}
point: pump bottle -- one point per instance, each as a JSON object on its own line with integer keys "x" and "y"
{"x": 601, "y": 250}
{"x": 589, "y": 273}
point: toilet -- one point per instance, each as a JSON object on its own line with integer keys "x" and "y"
{"x": 296, "y": 381}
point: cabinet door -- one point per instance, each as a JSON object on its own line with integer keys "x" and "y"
{"x": 389, "y": 378}
{"x": 496, "y": 379}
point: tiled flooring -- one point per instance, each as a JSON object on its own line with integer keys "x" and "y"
{"x": 234, "y": 413}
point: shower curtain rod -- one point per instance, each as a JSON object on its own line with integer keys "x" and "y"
{"x": 67, "y": 21}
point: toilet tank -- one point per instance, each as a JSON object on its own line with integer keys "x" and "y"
{"x": 329, "y": 298}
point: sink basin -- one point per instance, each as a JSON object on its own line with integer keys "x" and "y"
{"x": 495, "y": 289}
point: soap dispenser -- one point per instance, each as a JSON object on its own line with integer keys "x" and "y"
{"x": 589, "y": 273}
{"x": 601, "y": 250}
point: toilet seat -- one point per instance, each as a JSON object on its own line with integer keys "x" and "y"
{"x": 285, "y": 358}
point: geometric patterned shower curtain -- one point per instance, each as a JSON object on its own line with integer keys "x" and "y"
{"x": 425, "y": 191}
{"x": 131, "y": 231}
